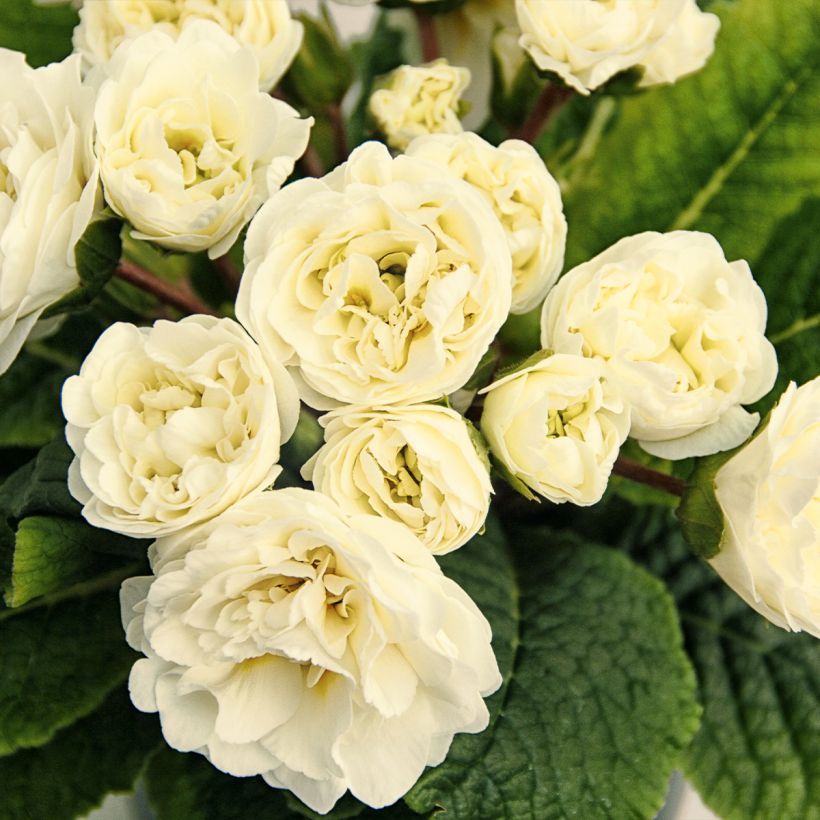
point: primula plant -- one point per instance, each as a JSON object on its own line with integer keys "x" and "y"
{"x": 421, "y": 422}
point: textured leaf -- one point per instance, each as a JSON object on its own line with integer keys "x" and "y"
{"x": 30, "y": 402}
{"x": 59, "y": 662}
{"x": 39, "y": 487}
{"x": 43, "y": 33}
{"x": 598, "y": 704}
{"x": 71, "y": 775}
{"x": 789, "y": 273}
{"x": 730, "y": 150}
{"x": 52, "y": 553}
{"x": 757, "y": 754}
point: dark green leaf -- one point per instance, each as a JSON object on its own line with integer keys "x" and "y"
{"x": 43, "y": 33}
{"x": 598, "y": 703}
{"x": 757, "y": 754}
{"x": 59, "y": 662}
{"x": 30, "y": 401}
{"x": 98, "y": 253}
{"x": 39, "y": 487}
{"x": 104, "y": 752}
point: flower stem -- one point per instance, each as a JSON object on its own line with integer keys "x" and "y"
{"x": 228, "y": 272}
{"x": 311, "y": 163}
{"x": 337, "y": 123}
{"x": 181, "y": 300}
{"x": 427, "y": 35}
{"x": 626, "y": 468}
{"x": 553, "y": 98}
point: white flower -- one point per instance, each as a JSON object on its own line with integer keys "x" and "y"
{"x": 323, "y": 652}
{"x": 525, "y": 198}
{"x": 770, "y": 496}
{"x": 265, "y": 26}
{"x": 685, "y": 49}
{"x": 472, "y": 35}
{"x": 49, "y": 190}
{"x": 414, "y": 464}
{"x": 189, "y": 147}
{"x": 172, "y": 424}
{"x": 415, "y": 100}
{"x": 682, "y": 330}
{"x": 586, "y": 42}
{"x": 557, "y": 425}
{"x": 383, "y": 282}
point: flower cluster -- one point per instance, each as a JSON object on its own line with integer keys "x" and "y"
{"x": 309, "y": 635}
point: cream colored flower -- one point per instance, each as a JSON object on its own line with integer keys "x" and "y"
{"x": 264, "y": 26}
{"x": 382, "y": 283}
{"x": 189, "y": 147}
{"x": 685, "y": 49}
{"x": 415, "y": 464}
{"x": 557, "y": 425}
{"x": 323, "y": 652}
{"x": 586, "y": 42}
{"x": 770, "y": 496}
{"x": 416, "y": 100}
{"x": 682, "y": 331}
{"x": 49, "y": 190}
{"x": 525, "y": 198}
{"x": 172, "y": 424}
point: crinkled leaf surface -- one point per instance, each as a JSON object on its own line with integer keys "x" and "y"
{"x": 598, "y": 697}
{"x": 789, "y": 273}
{"x": 757, "y": 753}
{"x": 59, "y": 661}
{"x": 731, "y": 150}
{"x": 71, "y": 774}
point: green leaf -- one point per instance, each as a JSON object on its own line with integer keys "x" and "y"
{"x": 381, "y": 52}
{"x": 53, "y": 553}
{"x": 98, "y": 253}
{"x": 789, "y": 273}
{"x": 39, "y": 487}
{"x": 104, "y": 752}
{"x": 43, "y": 33}
{"x": 188, "y": 786}
{"x": 598, "y": 702}
{"x": 699, "y": 513}
{"x": 321, "y": 72}
{"x": 757, "y": 754}
{"x": 30, "y": 401}
{"x": 59, "y": 662}
{"x": 731, "y": 150}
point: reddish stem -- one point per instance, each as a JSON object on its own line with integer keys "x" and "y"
{"x": 552, "y": 99}
{"x": 182, "y": 300}
{"x": 337, "y": 123}
{"x": 311, "y": 163}
{"x": 427, "y": 35}
{"x": 626, "y": 468}
{"x": 228, "y": 272}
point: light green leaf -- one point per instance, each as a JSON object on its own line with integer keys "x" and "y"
{"x": 598, "y": 703}
{"x": 59, "y": 662}
{"x": 43, "y": 33}
{"x": 757, "y": 754}
{"x": 730, "y": 150}
{"x": 52, "y": 553}
{"x": 104, "y": 752}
